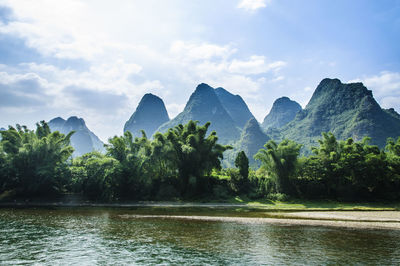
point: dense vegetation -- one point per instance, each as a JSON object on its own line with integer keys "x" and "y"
{"x": 346, "y": 110}
{"x": 185, "y": 163}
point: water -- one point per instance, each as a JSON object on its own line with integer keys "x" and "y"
{"x": 106, "y": 236}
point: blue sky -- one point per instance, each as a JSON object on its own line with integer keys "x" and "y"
{"x": 96, "y": 59}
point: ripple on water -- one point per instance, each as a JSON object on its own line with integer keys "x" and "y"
{"x": 101, "y": 236}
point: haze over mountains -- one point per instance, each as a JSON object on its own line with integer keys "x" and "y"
{"x": 235, "y": 106}
{"x": 282, "y": 112}
{"x": 251, "y": 140}
{"x": 83, "y": 140}
{"x": 346, "y": 110}
{"x": 203, "y": 106}
{"x": 149, "y": 115}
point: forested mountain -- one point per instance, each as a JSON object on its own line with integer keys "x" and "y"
{"x": 282, "y": 112}
{"x": 205, "y": 106}
{"x": 346, "y": 110}
{"x": 83, "y": 140}
{"x": 149, "y": 115}
{"x": 235, "y": 106}
{"x": 251, "y": 141}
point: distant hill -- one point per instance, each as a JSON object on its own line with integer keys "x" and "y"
{"x": 282, "y": 112}
{"x": 149, "y": 115}
{"x": 346, "y": 110}
{"x": 235, "y": 106}
{"x": 83, "y": 140}
{"x": 251, "y": 141}
{"x": 204, "y": 105}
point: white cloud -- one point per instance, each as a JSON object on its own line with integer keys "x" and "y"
{"x": 252, "y": 5}
{"x": 202, "y": 51}
{"x": 174, "y": 109}
{"x": 125, "y": 54}
{"x": 255, "y": 65}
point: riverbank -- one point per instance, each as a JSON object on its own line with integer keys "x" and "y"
{"x": 353, "y": 219}
{"x": 294, "y": 205}
{"x": 302, "y": 213}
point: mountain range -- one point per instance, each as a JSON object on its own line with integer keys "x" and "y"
{"x": 346, "y": 110}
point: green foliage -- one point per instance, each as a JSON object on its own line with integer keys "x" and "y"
{"x": 242, "y": 162}
{"x": 346, "y": 110}
{"x": 34, "y": 162}
{"x": 195, "y": 155}
{"x": 280, "y": 160}
{"x": 347, "y": 170}
{"x": 278, "y": 197}
{"x": 185, "y": 163}
{"x": 95, "y": 175}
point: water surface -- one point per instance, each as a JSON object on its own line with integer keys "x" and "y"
{"x": 87, "y": 236}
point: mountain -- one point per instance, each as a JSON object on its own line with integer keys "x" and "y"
{"x": 392, "y": 112}
{"x": 251, "y": 140}
{"x": 282, "y": 112}
{"x": 204, "y": 105}
{"x": 83, "y": 140}
{"x": 149, "y": 115}
{"x": 235, "y": 106}
{"x": 346, "y": 110}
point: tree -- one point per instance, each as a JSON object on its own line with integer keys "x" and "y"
{"x": 242, "y": 162}
{"x": 195, "y": 155}
{"x": 240, "y": 180}
{"x": 131, "y": 154}
{"x": 94, "y": 175}
{"x": 37, "y": 160}
{"x": 280, "y": 161}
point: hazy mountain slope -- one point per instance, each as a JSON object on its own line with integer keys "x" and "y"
{"x": 149, "y": 115}
{"x": 204, "y": 106}
{"x": 235, "y": 106}
{"x": 282, "y": 112}
{"x": 83, "y": 140}
{"x": 251, "y": 141}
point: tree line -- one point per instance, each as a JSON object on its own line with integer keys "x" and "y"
{"x": 185, "y": 163}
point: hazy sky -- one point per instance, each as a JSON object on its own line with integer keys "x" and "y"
{"x": 95, "y": 59}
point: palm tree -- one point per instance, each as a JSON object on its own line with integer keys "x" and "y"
{"x": 280, "y": 161}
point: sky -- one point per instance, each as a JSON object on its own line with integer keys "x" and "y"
{"x": 96, "y": 59}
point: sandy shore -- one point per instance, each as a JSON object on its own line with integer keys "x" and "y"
{"x": 348, "y": 219}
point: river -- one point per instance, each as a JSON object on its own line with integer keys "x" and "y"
{"x": 120, "y": 236}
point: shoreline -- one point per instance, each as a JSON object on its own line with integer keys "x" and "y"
{"x": 346, "y": 217}
{"x": 284, "y": 221}
{"x": 273, "y": 206}
{"x": 284, "y": 207}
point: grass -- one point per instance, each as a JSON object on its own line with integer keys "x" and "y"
{"x": 317, "y": 205}
{"x": 244, "y": 202}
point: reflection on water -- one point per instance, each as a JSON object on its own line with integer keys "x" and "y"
{"x": 102, "y": 236}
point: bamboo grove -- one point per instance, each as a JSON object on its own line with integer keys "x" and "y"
{"x": 185, "y": 163}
